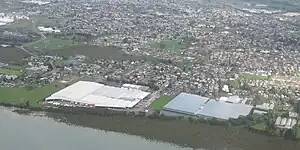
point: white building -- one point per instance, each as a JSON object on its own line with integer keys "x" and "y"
{"x": 266, "y": 106}
{"x": 99, "y": 95}
{"x": 36, "y": 2}
{"x": 49, "y": 30}
{"x": 5, "y": 19}
{"x": 285, "y": 123}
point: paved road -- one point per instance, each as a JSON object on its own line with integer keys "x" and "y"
{"x": 26, "y": 51}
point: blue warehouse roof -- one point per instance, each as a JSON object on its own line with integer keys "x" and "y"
{"x": 186, "y": 103}
{"x": 223, "y": 110}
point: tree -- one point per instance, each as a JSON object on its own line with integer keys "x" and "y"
{"x": 297, "y": 107}
{"x": 258, "y": 99}
{"x": 27, "y": 104}
{"x": 73, "y": 39}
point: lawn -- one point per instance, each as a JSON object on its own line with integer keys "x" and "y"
{"x": 161, "y": 102}
{"x": 19, "y": 95}
{"x": 259, "y": 127}
{"x": 51, "y": 43}
{"x": 172, "y": 45}
{"x": 298, "y": 132}
{"x": 254, "y": 76}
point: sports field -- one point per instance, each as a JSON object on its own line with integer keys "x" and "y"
{"x": 161, "y": 102}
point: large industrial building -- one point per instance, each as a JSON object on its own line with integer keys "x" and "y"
{"x": 184, "y": 104}
{"x": 194, "y": 105}
{"x": 224, "y": 110}
{"x": 99, "y": 95}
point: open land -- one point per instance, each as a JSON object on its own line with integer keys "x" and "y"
{"x": 20, "y": 95}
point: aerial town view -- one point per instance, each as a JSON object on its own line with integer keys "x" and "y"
{"x": 222, "y": 62}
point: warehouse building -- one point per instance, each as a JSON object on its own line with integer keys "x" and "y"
{"x": 223, "y": 110}
{"x": 184, "y": 105}
{"x": 189, "y": 105}
{"x": 98, "y": 95}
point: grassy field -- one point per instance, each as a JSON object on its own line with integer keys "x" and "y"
{"x": 249, "y": 76}
{"x": 95, "y": 52}
{"x": 172, "y": 45}
{"x": 49, "y": 44}
{"x": 10, "y": 71}
{"x": 19, "y": 95}
{"x": 161, "y": 102}
{"x": 12, "y": 55}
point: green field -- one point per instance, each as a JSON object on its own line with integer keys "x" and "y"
{"x": 51, "y": 43}
{"x": 11, "y": 71}
{"x": 172, "y": 45}
{"x": 23, "y": 24}
{"x": 249, "y": 76}
{"x": 161, "y": 102}
{"x": 29, "y": 25}
{"x": 19, "y": 95}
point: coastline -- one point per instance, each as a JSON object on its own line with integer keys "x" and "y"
{"x": 196, "y": 134}
{"x": 103, "y": 112}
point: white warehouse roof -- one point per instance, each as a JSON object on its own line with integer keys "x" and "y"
{"x": 100, "y": 95}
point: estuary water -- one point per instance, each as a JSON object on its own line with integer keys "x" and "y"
{"x": 58, "y": 132}
{"x": 21, "y": 132}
